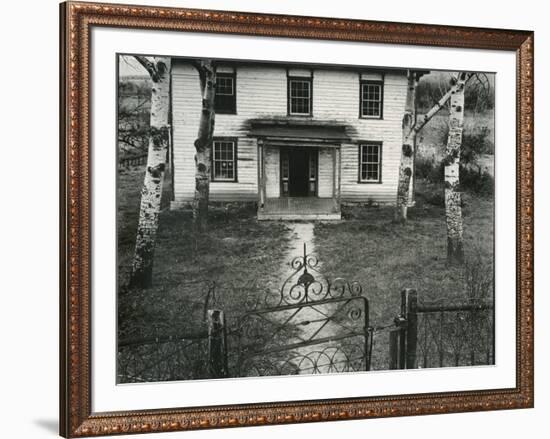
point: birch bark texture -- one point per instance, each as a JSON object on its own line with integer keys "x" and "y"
{"x": 159, "y": 138}
{"x": 410, "y": 130}
{"x": 203, "y": 144}
{"x": 407, "y": 150}
{"x": 453, "y": 196}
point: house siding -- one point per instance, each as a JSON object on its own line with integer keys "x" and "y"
{"x": 325, "y": 174}
{"x": 262, "y": 92}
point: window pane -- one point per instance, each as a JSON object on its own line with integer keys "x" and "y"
{"x": 371, "y": 99}
{"x": 224, "y": 85}
{"x": 300, "y": 96}
{"x": 312, "y": 167}
{"x": 224, "y": 160}
{"x": 284, "y": 166}
{"x": 370, "y": 162}
{"x": 225, "y": 102}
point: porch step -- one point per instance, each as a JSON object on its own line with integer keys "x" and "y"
{"x": 299, "y": 208}
{"x": 263, "y": 216}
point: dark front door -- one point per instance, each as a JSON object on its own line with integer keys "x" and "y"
{"x": 298, "y": 172}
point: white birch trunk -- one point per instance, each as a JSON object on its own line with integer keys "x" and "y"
{"x": 142, "y": 267}
{"x": 453, "y": 196}
{"x": 203, "y": 143}
{"x": 407, "y": 150}
{"x": 410, "y": 130}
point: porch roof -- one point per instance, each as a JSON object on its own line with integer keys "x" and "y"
{"x": 276, "y": 131}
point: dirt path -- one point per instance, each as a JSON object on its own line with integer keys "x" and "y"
{"x": 299, "y": 234}
{"x": 310, "y": 329}
{"x": 310, "y": 320}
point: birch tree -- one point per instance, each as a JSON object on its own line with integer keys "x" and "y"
{"x": 407, "y": 151}
{"x": 453, "y": 196}
{"x": 203, "y": 143}
{"x": 159, "y": 138}
{"x": 411, "y": 128}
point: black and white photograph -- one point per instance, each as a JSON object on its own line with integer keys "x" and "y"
{"x": 240, "y": 219}
{"x": 286, "y": 218}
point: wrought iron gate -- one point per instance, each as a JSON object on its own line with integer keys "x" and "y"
{"x": 311, "y": 325}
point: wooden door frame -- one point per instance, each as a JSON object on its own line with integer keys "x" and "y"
{"x": 288, "y": 149}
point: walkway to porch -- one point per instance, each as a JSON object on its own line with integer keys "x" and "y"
{"x": 299, "y": 208}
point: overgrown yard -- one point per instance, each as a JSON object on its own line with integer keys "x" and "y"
{"x": 386, "y": 257}
{"x": 433, "y": 137}
{"x": 243, "y": 256}
{"x": 237, "y": 250}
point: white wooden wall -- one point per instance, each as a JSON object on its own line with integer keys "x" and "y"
{"x": 262, "y": 92}
{"x": 326, "y": 181}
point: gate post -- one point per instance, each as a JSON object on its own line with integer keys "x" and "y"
{"x": 394, "y": 349}
{"x": 409, "y": 305}
{"x": 217, "y": 344}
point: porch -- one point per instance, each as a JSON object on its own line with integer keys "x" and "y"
{"x": 299, "y": 169}
{"x": 300, "y": 208}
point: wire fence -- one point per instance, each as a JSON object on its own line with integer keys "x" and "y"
{"x": 422, "y": 335}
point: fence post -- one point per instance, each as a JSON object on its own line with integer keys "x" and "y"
{"x": 394, "y": 340}
{"x": 217, "y": 344}
{"x": 409, "y": 305}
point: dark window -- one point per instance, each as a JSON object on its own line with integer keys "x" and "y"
{"x": 370, "y": 158}
{"x": 224, "y": 161}
{"x": 225, "y": 102}
{"x": 299, "y": 95}
{"x": 371, "y": 99}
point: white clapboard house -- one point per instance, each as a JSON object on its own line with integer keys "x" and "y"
{"x": 298, "y": 140}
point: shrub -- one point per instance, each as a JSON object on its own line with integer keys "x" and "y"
{"x": 471, "y": 179}
{"x": 476, "y": 181}
{"x": 476, "y": 142}
{"x": 429, "y": 169}
{"x": 435, "y": 198}
{"x": 423, "y": 167}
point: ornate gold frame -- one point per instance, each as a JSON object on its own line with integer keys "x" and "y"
{"x": 77, "y": 19}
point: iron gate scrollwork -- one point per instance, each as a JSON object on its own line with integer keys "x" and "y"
{"x": 310, "y": 325}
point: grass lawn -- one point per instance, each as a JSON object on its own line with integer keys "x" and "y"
{"x": 237, "y": 250}
{"x": 386, "y": 257}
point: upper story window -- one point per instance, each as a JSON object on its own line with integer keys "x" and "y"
{"x": 370, "y": 162}
{"x": 224, "y": 160}
{"x": 372, "y": 97}
{"x": 299, "y": 96}
{"x": 225, "y": 100}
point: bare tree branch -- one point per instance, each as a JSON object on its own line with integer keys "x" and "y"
{"x": 439, "y": 104}
{"x": 151, "y": 67}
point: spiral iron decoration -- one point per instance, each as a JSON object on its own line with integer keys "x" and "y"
{"x": 307, "y": 284}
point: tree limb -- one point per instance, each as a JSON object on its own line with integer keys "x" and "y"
{"x": 424, "y": 120}
{"x": 149, "y": 66}
{"x": 205, "y": 68}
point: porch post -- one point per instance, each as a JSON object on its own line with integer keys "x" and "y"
{"x": 261, "y": 151}
{"x": 339, "y": 176}
{"x": 333, "y": 174}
